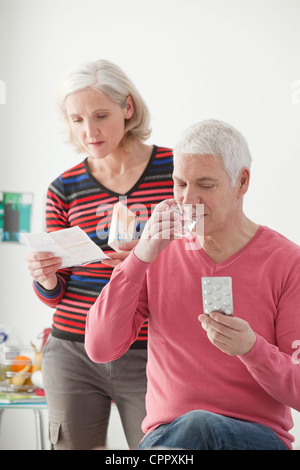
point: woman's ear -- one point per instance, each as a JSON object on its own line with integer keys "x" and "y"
{"x": 129, "y": 108}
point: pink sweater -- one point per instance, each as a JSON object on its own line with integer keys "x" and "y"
{"x": 185, "y": 371}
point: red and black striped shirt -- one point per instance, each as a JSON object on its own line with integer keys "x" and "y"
{"x": 77, "y": 198}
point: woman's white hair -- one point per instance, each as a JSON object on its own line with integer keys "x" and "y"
{"x": 107, "y": 77}
{"x": 219, "y": 139}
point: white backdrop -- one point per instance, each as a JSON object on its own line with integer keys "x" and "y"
{"x": 235, "y": 60}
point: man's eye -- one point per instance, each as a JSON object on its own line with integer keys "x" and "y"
{"x": 102, "y": 116}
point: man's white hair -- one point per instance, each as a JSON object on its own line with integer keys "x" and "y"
{"x": 219, "y": 139}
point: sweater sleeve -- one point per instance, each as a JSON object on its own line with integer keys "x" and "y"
{"x": 51, "y": 297}
{"x": 56, "y": 219}
{"x": 276, "y": 367}
{"x": 115, "y": 319}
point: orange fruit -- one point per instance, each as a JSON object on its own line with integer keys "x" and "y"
{"x": 19, "y": 362}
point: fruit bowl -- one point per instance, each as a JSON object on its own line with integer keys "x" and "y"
{"x": 16, "y": 367}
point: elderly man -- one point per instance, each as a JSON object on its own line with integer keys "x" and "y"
{"x": 215, "y": 381}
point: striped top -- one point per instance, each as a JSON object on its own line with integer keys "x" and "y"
{"x": 77, "y": 198}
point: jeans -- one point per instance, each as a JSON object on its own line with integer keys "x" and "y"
{"x": 202, "y": 430}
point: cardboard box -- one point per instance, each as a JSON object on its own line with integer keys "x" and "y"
{"x": 123, "y": 226}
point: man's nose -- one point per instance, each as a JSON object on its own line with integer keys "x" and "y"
{"x": 191, "y": 197}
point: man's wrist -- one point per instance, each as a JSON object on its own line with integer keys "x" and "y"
{"x": 140, "y": 254}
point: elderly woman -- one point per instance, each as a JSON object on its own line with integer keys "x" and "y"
{"x": 108, "y": 120}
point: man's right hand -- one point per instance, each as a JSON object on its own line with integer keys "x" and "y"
{"x": 42, "y": 266}
{"x": 158, "y": 232}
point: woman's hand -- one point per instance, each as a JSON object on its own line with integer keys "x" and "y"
{"x": 119, "y": 256}
{"x": 42, "y": 266}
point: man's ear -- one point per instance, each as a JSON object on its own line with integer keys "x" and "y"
{"x": 243, "y": 181}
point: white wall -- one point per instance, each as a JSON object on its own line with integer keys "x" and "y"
{"x": 192, "y": 59}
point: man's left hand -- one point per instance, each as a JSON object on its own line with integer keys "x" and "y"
{"x": 231, "y": 335}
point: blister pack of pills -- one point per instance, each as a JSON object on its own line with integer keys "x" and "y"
{"x": 217, "y": 295}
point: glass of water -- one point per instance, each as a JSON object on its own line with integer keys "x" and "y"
{"x": 186, "y": 218}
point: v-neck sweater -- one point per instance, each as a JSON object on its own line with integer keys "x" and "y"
{"x": 185, "y": 370}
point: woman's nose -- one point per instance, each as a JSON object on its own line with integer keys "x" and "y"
{"x": 91, "y": 130}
